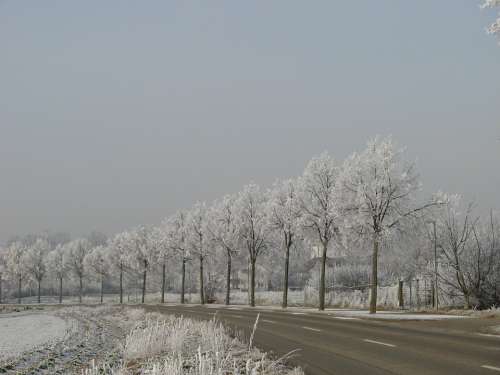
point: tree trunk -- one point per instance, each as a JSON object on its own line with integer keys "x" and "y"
{"x": 202, "y": 291}
{"x": 183, "y": 286}
{"x": 322, "y": 283}
{"x": 81, "y": 290}
{"x": 248, "y": 280}
{"x": 285, "y": 283}
{"x": 401, "y": 295}
{"x": 19, "y": 290}
{"x": 39, "y": 290}
{"x": 144, "y": 281}
{"x": 374, "y": 283}
{"x": 163, "y": 274}
{"x": 121, "y": 283}
{"x": 60, "y": 289}
{"x": 102, "y": 288}
{"x": 466, "y": 301}
{"x": 252, "y": 282}
{"x": 228, "y": 279}
{"x": 0, "y": 288}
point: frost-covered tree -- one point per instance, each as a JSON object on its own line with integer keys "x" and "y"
{"x": 494, "y": 28}
{"x": 485, "y": 261}
{"x": 118, "y": 256}
{"x": 198, "y": 240}
{"x": 161, "y": 254}
{"x": 35, "y": 260}
{"x": 15, "y": 265}
{"x": 97, "y": 261}
{"x": 176, "y": 240}
{"x": 77, "y": 250}
{"x": 56, "y": 238}
{"x": 254, "y": 227}
{"x": 318, "y": 195}
{"x": 284, "y": 217}
{"x": 379, "y": 186}
{"x": 57, "y": 264}
{"x": 470, "y": 249}
{"x": 223, "y": 228}
{"x": 141, "y": 253}
{"x": 97, "y": 238}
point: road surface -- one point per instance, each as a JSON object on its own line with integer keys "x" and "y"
{"x": 329, "y": 344}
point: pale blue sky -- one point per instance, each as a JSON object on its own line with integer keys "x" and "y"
{"x": 115, "y": 113}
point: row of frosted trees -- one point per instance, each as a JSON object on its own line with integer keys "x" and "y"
{"x": 370, "y": 198}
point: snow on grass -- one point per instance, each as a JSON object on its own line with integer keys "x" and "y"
{"x": 123, "y": 340}
{"x": 190, "y": 347}
{"x": 20, "y": 333}
{"x": 168, "y": 345}
{"x": 163, "y": 344}
{"x": 493, "y": 312}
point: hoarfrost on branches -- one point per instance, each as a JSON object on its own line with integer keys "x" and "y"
{"x": 494, "y": 28}
{"x": 284, "y": 216}
{"x": 318, "y": 191}
{"x": 379, "y": 186}
{"x": 254, "y": 231}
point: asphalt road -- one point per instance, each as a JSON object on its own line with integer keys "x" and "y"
{"x": 328, "y": 344}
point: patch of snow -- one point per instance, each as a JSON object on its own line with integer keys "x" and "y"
{"x": 23, "y": 332}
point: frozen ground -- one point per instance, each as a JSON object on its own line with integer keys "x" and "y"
{"x": 123, "y": 340}
{"x": 27, "y": 331}
{"x": 62, "y": 341}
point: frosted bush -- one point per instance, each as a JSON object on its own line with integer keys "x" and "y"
{"x": 180, "y": 346}
{"x": 167, "y": 345}
{"x": 492, "y": 312}
{"x": 175, "y": 336}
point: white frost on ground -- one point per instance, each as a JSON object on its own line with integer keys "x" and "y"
{"x": 392, "y": 315}
{"x": 20, "y": 333}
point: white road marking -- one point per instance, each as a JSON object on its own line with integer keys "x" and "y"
{"x": 345, "y": 318}
{"x": 379, "y": 343}
{"x": 489, "y": 335}
{"x": 298, "y": 313}
{"x": 493, "y": 368}
{"x": 234, "y": 308}
{"x": 312, "y": 329}
{"x": 268, "y": 321}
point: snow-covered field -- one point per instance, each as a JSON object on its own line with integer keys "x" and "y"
{"x": 124, "y": 340}
{"x": 56, "y": 341}
{"x": 20, "y": 332}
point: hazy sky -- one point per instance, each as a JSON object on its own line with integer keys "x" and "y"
{"x": 116, "y": 113}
